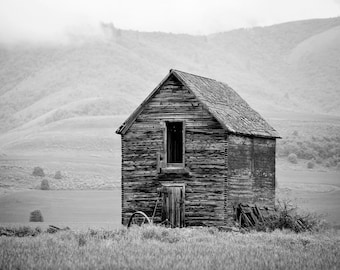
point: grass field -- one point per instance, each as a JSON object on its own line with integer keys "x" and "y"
{"x": 153, "y": 247}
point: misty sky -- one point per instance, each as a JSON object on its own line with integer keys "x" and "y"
{"x": 22, "y": 20}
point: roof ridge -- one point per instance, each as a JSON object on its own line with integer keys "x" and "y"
{"x": 195, "y": 75}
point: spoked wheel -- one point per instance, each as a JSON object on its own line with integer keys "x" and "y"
{"x": 138, "y": 218}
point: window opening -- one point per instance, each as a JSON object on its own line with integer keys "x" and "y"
{"x": 174, "y": 142}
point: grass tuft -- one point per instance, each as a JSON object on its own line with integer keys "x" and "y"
{"x": 57, "y": 175}
{"x": 292, "y": 158}
{"x": 44, "y": 185}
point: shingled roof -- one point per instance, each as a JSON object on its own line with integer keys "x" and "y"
{"x": 229, "y": 109}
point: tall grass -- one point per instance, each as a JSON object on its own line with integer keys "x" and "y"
{"x": 153, "y": 247}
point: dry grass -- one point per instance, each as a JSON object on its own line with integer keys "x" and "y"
{"x": 161, "y": 248}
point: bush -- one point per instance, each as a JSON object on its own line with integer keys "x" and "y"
{"x": 332, "y": 162}
{"x": 44, "y": 185}
{"x": 36, "y": 216}
{"x": 292, "y": 158}
{"x": 283, "y": 216}
{"x": 327, "y": 164}
{"x": 314, "y": 148}
{"x": 318, "y": 160}
{"x": 310, "y": 164}
{"x": 57, "y": 175}
{"x": 37, "y": 171}
{"x": 286, "y": 217}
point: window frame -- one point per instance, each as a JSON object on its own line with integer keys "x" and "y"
{"x": 174, "y": 165}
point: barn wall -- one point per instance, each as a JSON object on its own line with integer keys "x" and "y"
{"x": 264, "y": 171}
{"x": 251, "y": 177}
{"x": 205, "y": 153}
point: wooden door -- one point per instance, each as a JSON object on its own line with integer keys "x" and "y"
{"x": 173, "y": 204}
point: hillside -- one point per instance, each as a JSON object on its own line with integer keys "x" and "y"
{"x": 61, "y": 103}
{"x": 292, "y": 66}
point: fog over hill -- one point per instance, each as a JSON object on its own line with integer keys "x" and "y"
{"x": 292, "y": 66}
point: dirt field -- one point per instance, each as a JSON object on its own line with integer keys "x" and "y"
{"x": 87, "y": 152}
{"x": 317, "y": 192}
{"x": 313, "y": 191}
{"x": 60, "y": 207}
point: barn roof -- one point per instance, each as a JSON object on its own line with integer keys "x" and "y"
{"x": 229, "y": 109}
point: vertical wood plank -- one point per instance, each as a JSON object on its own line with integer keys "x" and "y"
{"x": 182, "y": 198}
{"x": 177, "y": 205}
{"x": 173, "y": 209}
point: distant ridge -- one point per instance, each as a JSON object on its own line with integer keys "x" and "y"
{"x": 291, "y": 66}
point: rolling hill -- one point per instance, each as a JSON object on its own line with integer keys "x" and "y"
{"x": 48, "y": 90}
{"x": 292, "y": 66}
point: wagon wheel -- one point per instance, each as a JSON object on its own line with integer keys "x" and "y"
{"x": 138, "y": 218}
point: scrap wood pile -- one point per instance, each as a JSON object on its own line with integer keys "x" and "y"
{"x": 54, "y": 229}
{"x": 265, "y": 218}
{"x": 248, "y": 215}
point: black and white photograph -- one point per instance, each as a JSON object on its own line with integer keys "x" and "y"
{"x": 182, "y": 134}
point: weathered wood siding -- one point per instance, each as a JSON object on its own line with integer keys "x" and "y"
{"x": 264, "y": 171}
{"x": 205, "y": 158}
{"x": 251, "y": 175}
{"x": 221, "y": 169}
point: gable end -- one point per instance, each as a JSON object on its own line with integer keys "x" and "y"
{"x": 231, "y": 111}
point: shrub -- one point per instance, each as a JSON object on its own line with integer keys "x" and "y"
{"x": 37, "y": 171}
{"x": 310, "y": 164}
{"x": 286, "y": 217}
{"x": 57, "y": 175}
{"x": 295, "y": 133}
{"x": 283, "y": 216}
{"x": 292, "y": 158}
{"x": 327, "y": 164}
{"x": 318, "y": 160}
{"x": 332, "y": 161}
{"x": 36, "y": 216}
{"x": 44, "y": 185}
{"x": 318, "y": 148}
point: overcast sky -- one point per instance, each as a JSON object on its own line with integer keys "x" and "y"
{"x": 47, "y": 19}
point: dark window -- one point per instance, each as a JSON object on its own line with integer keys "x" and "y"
{"x": 174, "y": 142}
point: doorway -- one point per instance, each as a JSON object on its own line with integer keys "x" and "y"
{"x": 173, "y": 204}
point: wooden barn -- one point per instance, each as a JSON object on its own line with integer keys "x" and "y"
{"x": 199, "y": 147}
